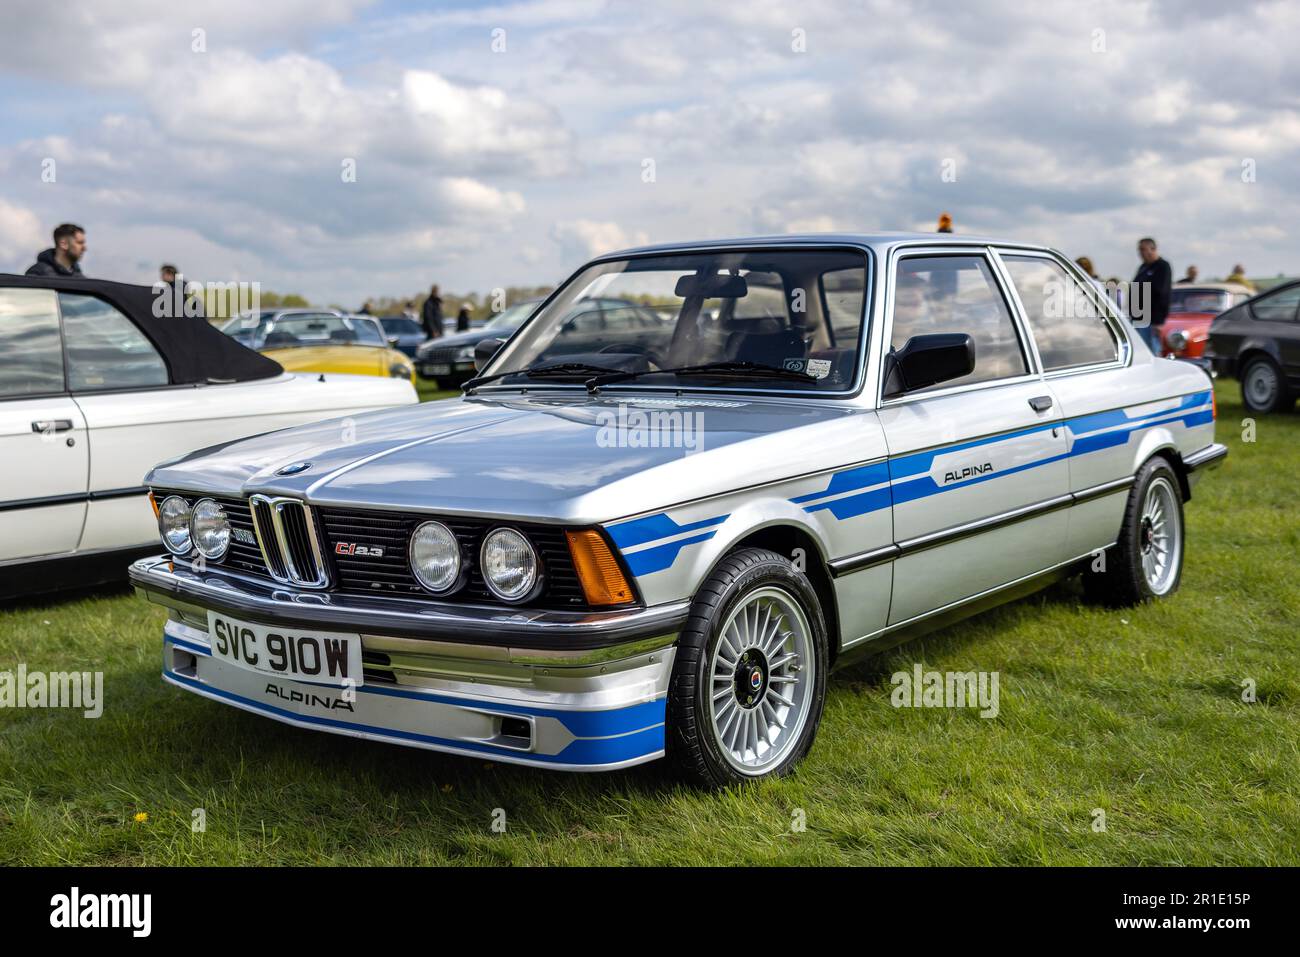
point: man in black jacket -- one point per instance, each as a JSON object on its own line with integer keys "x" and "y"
{"x": 64, "y": 257}
{"x": 1149, "y": 304}
{"x": 431, "y": 314}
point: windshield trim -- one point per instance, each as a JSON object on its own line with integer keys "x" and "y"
{"x": 864, "y": 339}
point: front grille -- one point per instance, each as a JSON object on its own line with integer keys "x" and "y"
{"x": 443, "y": 356}
{"x": 302, "y": 528}
{"x": 390, "y": 573}
{"x": 288, "y": 540}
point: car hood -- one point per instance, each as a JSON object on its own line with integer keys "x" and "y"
{"x": 558, "y": 458}
{"x": 468, "y": 338}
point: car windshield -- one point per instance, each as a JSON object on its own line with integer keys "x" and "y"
{"x": 512, "y": 316}
{"x": 1199, "y": 300}
{"x": 401, "y": 326}
{"x": 743, "y": 313}
{"x": 296, "y": 331}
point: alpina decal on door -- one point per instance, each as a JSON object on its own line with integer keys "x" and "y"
{"x": 970, "y": 471}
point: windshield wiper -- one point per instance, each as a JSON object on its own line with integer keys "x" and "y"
{"x": 562, "y": 370}
{"x": 741, "y": 370}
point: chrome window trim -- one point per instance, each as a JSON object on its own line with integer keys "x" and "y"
{"x": 914, "y": 250}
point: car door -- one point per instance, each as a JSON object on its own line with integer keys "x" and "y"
{"x": 1274, "y": 317}
{"x": 977, "y": 465}
{"x": 121, "y": 385}
{"x": 43, "y": 444}
{"x": 1083, "y": 354}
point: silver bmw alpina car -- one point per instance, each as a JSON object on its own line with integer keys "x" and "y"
{"x": 654, "y": 531}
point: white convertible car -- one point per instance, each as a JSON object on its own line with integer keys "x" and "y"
{"x": 95, "y": 391}
{"x": 624, "y": 543}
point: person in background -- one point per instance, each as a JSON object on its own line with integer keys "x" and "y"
{"x": 365, "y": 309}
{"x": 1084, "y": 263}
{"x": 169, "y": 275}
{"x": 1239, "y": 276}
{"x": 1192, "y": 273}
{"x": 945, "y": 223}
{"x": 431, "y": 314}
{"x": 409, "y": 310}
{"x": 462, "y": 319}
{"x": 64, "y": 257}
{"x": 1157, "y": 277}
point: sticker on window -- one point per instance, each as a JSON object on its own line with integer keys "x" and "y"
{"x": 818, "y": 368}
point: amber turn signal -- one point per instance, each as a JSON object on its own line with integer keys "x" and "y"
{"x": 154, "y": 502}
{"x": 602, "y": 580}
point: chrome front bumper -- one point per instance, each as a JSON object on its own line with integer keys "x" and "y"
{"x": 595, "y": 708}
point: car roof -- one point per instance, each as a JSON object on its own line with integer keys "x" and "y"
{"x": 1213, "y": 287}
{"x": 879, "y": 241}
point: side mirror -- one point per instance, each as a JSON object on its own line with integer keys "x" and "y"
{"x": 926, "y": 360}
{"x": 485, "y": 350}
{"x": 393, "y": 341}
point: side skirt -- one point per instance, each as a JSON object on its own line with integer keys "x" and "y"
{"x": 39, "y": 575}
{"x": 941, "y": 618}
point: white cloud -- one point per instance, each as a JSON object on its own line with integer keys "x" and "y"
{"x": 21, "y": 235}
{"x": 581, "y": 239}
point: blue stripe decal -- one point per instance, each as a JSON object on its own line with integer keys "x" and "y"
{"x": 656, "y": 559}
{"x": 592, "y": 751}
{"x": 639, "y": 531}
{"x": 910, "y": 473}
{"x": 581, "y": 724}
{"x": 906, "y": 478}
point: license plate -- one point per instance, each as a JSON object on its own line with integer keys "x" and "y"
{"x": 437, "y": 370}
{"x": 319, "y": 656}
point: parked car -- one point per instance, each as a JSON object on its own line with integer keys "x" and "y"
{"x": 593, "y": 324}
{"x": 323, "y": 341}
{"x": 1258, "y": 343}
{"x": 596, "y": 558}
{"x": 94, "y": 391}
{"x": 404, "y": 334}
{"x": 1192, "y": 307}
{"x": 250, "y": 330}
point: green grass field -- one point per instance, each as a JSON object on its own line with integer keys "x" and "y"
{"x": 1138, "y": 713}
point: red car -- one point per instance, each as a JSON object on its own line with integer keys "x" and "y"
{"x": 1192, "y": 307}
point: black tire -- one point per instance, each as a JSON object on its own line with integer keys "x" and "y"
{"x": 1261, "y": 369}
{"x": 1123, "y": 580}
{"x": 692, "y": 743}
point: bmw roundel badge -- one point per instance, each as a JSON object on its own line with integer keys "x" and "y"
{"x": 293, "y": 468}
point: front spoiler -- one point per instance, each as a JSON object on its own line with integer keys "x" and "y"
{"x": 166, "y": 583}
{"x": 599, "y": 724}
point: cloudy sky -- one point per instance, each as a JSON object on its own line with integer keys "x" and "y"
{"x": 502, "y": 144}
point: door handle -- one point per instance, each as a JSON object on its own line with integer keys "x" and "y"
{"x": 1040, "y": 403}
{"x": 51, "y": 425}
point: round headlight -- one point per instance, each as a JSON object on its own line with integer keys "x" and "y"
{"x": 435, "y": 557}
{"x": 466, "y": 354}
{"x": 510, "y": 566}
{"x": 174, "y": 524}
{"x": 399, "y": 370}
{"x": 1177, "y": 340}
{"x": 210, "y": 529}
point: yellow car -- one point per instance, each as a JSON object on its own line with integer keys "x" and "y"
{"x": 303, "y": 340}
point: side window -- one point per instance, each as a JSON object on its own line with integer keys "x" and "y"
{"x": 29, "y": 343}
{"x": 105, "y": 349}
{"x": 937, "y": 294}
{"x": 1068, "y": 326}
{"x": 1279, "y": 307}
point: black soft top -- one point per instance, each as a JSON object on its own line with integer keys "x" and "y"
{"x": 195, "y": 351}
